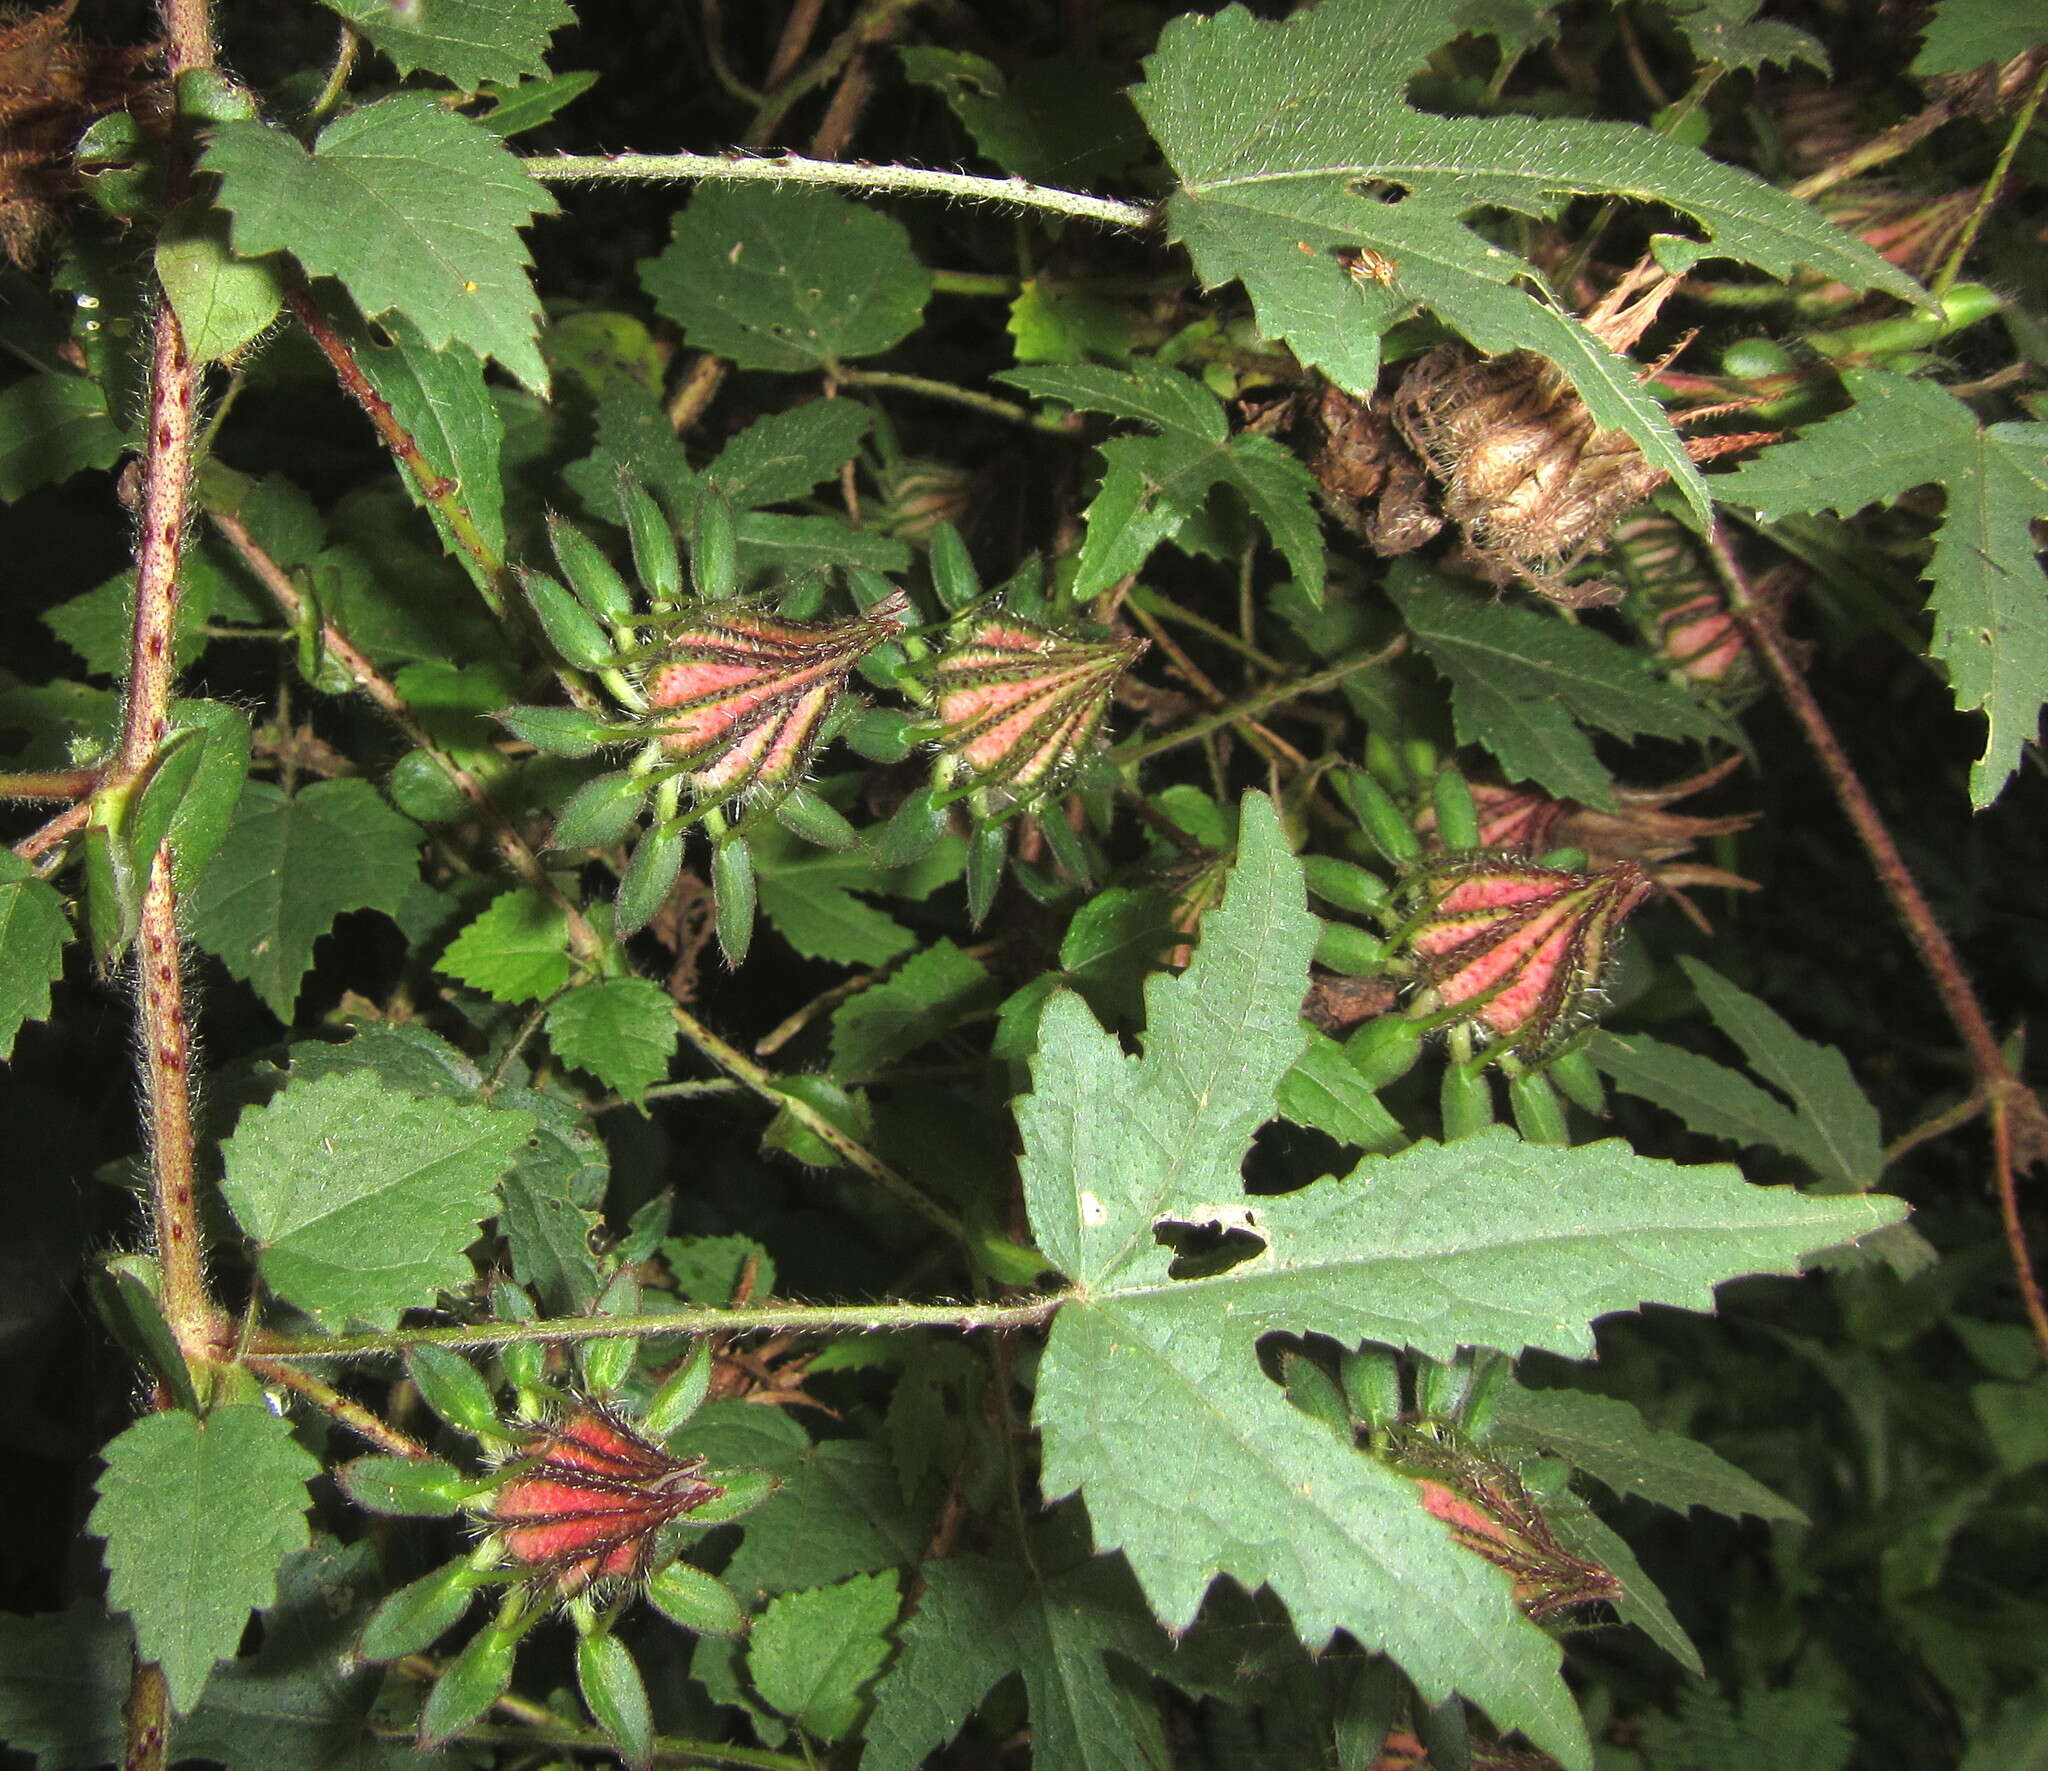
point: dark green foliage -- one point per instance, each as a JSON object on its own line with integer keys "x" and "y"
{"x": 815, "y": 842}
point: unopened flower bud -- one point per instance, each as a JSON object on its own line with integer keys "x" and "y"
{"x": 1491, "y": 1514}
{"x": 1513, "y": 949}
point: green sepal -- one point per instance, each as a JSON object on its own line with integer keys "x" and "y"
{"x": 113, "y": 895}
{"x": 1539, "y": 1114}
{"x": 453, "y": 1389}
{"x": 919, "y": 825}
{"x": 986, "y": 853}
{"x": 953, "y": 573}
{"x": 1385, "y": 1049}
{"x": 1341, "y": 947}
{"x": 655, "y": 559}
{"x": 474, "y": 1680}
{"x": 1457, "y": 818}
{"x": 696, "y": 1601}
{"x": 715, "y": 548}
{"x": 420, "y": 788}
{"x": 657, "y": 859}
{"x": 1578, "y": 1076}
{"x": 1009, "y": 1263}
{"x": 600, "y": 812}
{"x": 607, "y": 1363}
{"x": 1315, "y": 1392}
{"x": 744, "y": 1491}
{"x": 733, "y": 897}
{"x": 681, "y": 1394}
{"x": 1467, "y": 1100}
{"x": 1372, "y": 1384}
{"x": 1441, "y": 1386}
{"x": 1379, "y": 817}
{"x": 1490, "y": 1374}
{"x": 126, "y": 1291}
{"x": 616, "y": 1696}
{"x": 1068, "y": 850}
{"x": 807, "y": 814}
{"x": 420, "y": 1613}
{"x": 559, "y": 731}
{"x": 571, "y": 629}
{"x": 881, "y": 734}
{"x": 1346, "y": 884}
{"x": 406, "y": 1487}
{"x": 593, "y": 577}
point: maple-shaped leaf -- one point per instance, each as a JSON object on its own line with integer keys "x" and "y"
{"x": 737, "y": 696}
{"x": 466, "y": 41}
{"x": 1151, "y": 1398}
{"x": 1990, "y": 606}
{"x": 1151, "y": 486}
{"x": 982, "y": 1618}
{"x": 1293, "y": 143}
{"x": 1019, "y": 704}
{"x": 416, "y": 209}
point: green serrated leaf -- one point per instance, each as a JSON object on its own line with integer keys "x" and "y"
{"x": 785, "y": 454}
{"x": 1152, "y": 486}
{"x": 981, "y": 1619}
{"x": 51, "y": 427}
{"x": 1839, "y": 1134}
{"x": 1730, "y": 35}
{"x": 466, "y": 41}
{"x": 622, "y": 1030}
{"x": 550, "y": 1200}
{"x": 417, "y": 210}
{"x": 437, "y": 393}
{"x": 1712, "y": 1099}
{"x": 1609, "y": 1439}
{"x": 1324, "y": 1089}
{"x": 1151, "y": 1400}
{"x": 1522, "y": 683}
{"x": 516, "y": 951}
{"x": 33, "y": 931}
{"x": 197, "y": 1515}
{"x": 1965, "y": 34}
{"x": 1284, "y": 133}
{"x": 811, "y": 1653}
{"x": 1062, "y": 121}
{"x": 222, "y": 302}
{"x": 924, "y": 998}
{"x": 1990, "y": 612}
{"x": 99, "y": 624}
{"x": 288, "y": 867}
{"x": 788, "y": 279}
{"x": 361, "y": 1199}
{"x": 1583, "y": 1532}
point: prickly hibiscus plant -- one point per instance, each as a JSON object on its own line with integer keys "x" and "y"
{"x": 1217, "y": 956}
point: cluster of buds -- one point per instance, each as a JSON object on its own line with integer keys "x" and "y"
{"x": 573, "y": 1514}
{"x": 1513, "y": 950}
{"x": 727, "y": 702}
{"x": 1528, "y": 475}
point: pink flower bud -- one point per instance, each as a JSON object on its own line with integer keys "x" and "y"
{"x": 587, "y": 1500}
{"x": 1491, "y": 1514}
{"x": 1514, "y": 949}
{"x": 1019, "y": 704}
{"x": 738, "y": 697}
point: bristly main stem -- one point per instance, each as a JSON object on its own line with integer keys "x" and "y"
{"x": 795, "y": 169}
{"x": 2016, "y": 1117}
{"x": 271, "y": 1350}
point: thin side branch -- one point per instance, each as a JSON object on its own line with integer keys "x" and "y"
{"x": 1252, "y": 706}
{"x": 916, "y": 181}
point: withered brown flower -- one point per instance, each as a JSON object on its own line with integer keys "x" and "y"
{"x": 51, "y": 87}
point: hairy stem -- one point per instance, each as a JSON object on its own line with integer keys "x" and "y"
{"x": 668, "y": 1750}
{"x": 2012, "y": 1105}
{"x": 987, "y": 404}
{"x": 692, "y": 1320}
{"x": 794, "y": 169}
{"x": 345, "y": 1410}
{"x": 66, "y": 784}
{"x": 146, "y": 1720}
